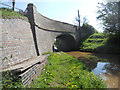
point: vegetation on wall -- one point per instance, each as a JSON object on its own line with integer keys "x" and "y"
{"x": 10, "y": 14}
{"x": 111, "y": 46}
{"x": 87, "y": 28}
{"x": 65, "y": 71}
{"x": 94, "y": 41}
{"x": 104, "y": 43}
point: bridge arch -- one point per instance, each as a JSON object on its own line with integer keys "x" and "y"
{"x": 64, "y": 42}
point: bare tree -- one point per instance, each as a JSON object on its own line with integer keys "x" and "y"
{"x": 85, "y": 20}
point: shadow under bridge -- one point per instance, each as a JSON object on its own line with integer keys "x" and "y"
{"x": 64, "y": 42}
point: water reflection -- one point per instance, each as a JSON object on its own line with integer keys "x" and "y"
{"x": 109, "y": 70}
{"x": 112, "y": 58}
{"x": 100, "y": 68}
{"x": 106, "y": 67}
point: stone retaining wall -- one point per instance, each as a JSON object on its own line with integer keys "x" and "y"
{"x": 27, "y": 70}
{"x": 17, "y": 42}
{"x": 28, "y": 76}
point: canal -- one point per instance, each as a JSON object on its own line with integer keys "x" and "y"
{"x": 105, "y": 65}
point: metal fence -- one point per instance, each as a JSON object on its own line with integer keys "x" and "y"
{"x": 9, "y": 8}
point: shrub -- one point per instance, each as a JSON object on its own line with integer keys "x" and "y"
{"x": 10, "y": 80}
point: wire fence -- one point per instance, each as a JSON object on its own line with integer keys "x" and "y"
{"x": 9, "y": 8}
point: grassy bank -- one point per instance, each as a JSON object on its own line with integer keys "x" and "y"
{"x": 10, "y": 80}
{"x": 102, "y": 43}
{"x": 10, "y": 14}
{"x": 65, "y": 71}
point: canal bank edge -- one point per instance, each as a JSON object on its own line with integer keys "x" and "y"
{"x": 27, "y": 70}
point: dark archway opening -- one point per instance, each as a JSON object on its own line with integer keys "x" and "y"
{"x": 64, "y": 43}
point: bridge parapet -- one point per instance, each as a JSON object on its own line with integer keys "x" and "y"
{"x": 55, "y": 27}
{"x": 48, "y": 24}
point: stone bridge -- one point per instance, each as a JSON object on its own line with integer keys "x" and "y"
{"x": 54, "y": 29}
{"x": 22, "y": 42}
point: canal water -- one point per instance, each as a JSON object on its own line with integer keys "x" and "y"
{"x": 108, "y": 69}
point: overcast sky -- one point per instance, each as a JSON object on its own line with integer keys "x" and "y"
{"x": 64, "y": 10}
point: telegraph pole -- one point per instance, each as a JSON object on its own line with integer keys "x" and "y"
{"x": 119, "y": 16}
{"x": 79, "y": 25}
{"x": 79, "y": 19}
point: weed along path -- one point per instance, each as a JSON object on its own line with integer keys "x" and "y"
{"x": 105, "y": 65}
{"x": 65, "y": 71}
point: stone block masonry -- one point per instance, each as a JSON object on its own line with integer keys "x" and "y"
{"x": 28, "y": 70}
{"x": 34, "y": 71}
{"x": 17, "y": 42}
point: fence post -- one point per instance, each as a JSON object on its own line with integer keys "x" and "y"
{"x": 13, "y": 3}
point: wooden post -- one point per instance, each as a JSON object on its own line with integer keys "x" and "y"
{"x": 119, "y": 16}
{"x": 13, "y": 4}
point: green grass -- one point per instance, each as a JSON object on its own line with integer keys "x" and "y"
{"x": 65, "y": 71}
{"x": 10, "y": 14}
{"x": 102, "y": 43}
{"x": 112, "y": 45}
{"x": 10, "y": 80}
{"x": 93, "y": 42}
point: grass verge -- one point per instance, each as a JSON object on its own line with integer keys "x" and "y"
{"x": 102, "y": 43}
{"x": 10, "y": 14}
{"x": 65, "y": 71}
{"x": 94, "y": 41}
